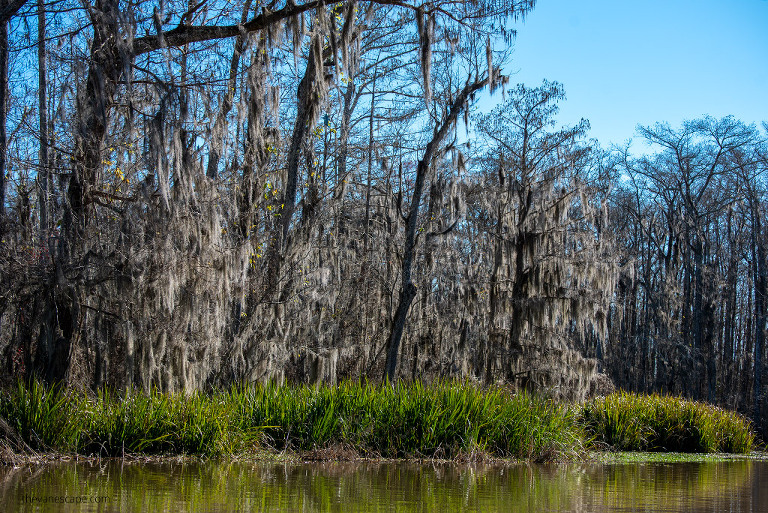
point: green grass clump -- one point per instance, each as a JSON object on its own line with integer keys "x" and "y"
{"x": 44, "y": 417}
{"x": 47, "y": 418}
{"x": 443, "y": 420}
{"x": 157, "y": 423}
{"x": 632, "y": 422}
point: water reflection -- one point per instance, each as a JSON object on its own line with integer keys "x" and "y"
{"x": 735, "y": 486}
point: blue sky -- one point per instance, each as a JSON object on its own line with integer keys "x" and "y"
{"x": 625, "y": 63}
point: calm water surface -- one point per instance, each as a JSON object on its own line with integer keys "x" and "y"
{"x": 734, "y": 486}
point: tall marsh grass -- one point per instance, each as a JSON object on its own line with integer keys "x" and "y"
{"x": 441, "y": 420}
{"x": 44, "y": 417}
{"x": 48, "y": 418}
{"x": 444, "y": 420}
{"x": 632, "y": 422}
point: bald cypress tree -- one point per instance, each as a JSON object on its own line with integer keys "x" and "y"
{"x": 553, "y": 271}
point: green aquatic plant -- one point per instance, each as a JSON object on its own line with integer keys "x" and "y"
{"x": 157, "y": 423}
{"x": 446, "y": 419}
{"x": 46, "y": 417}
{"x": 633, "y": 422}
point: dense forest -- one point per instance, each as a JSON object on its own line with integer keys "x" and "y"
{"x": 198, "y": 193}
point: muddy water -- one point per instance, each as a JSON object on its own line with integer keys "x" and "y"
{"x": 734, "y": 486}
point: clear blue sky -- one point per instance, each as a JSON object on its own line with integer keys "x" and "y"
{"x": 625, "y": 63}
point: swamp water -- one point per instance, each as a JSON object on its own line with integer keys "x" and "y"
{"x": 731, "y": 486}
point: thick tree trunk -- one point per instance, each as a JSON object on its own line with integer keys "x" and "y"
{"x": 307, "y": 103}
{"x": 93, "y": 106}
{"x": 408, "y": 290}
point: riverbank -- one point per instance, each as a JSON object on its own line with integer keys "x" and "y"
{"x": 448, "y": 420}
{"x": 301, "y": 458}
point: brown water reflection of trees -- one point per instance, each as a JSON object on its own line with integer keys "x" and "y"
{"x": 737, "y": 486}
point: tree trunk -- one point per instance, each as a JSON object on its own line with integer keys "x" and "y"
{"x": 408, "y": 290}
{"x": 8, "y": 9}
{"x": 760, "y": 270}
{"x": 93, "y": 106}
{"x": 255, "y": 151}
{"x": 3, "y": 112}
{"x": 44, "y": 169}
{"x": 307, "y": 102}
{"x": 220, "y": 125}
{"x": 366, "y": 228}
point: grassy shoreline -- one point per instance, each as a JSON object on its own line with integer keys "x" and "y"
{"x": 18, "y": 459}
{"x": 448, "y": 420}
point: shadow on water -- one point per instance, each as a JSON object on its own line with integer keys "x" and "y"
{"x": 735, "y": 486}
